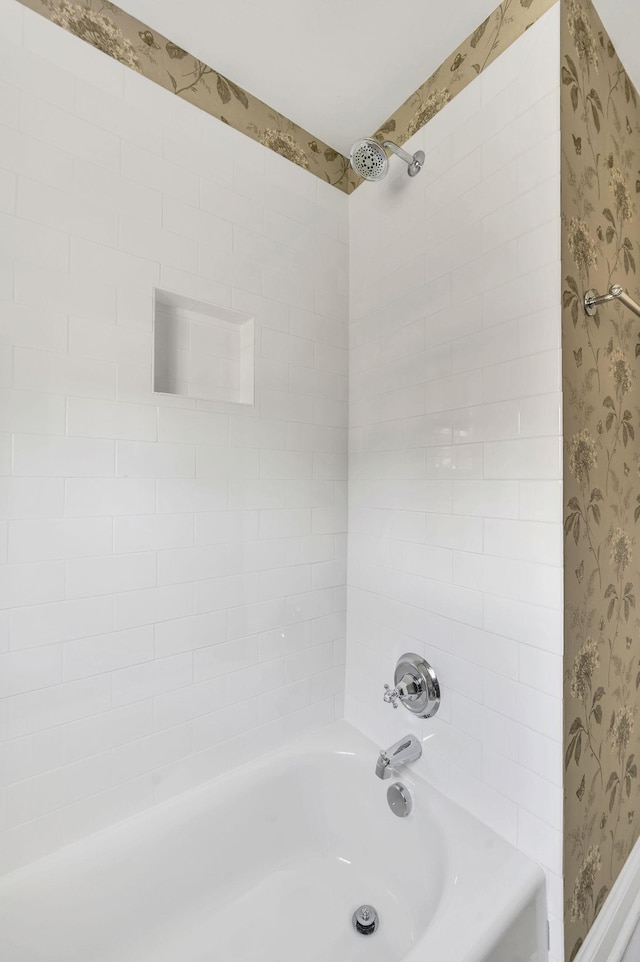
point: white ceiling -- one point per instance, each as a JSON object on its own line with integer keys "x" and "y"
{"x": 339, "y": 68}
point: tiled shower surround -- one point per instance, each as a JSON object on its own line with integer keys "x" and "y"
{"x": 455, "y": 507}
{"x": 174, "y": 572}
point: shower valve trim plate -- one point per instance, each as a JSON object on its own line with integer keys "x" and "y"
{"x": 416, "y": 686}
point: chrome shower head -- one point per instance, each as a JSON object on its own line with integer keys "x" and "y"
{"x": 369, "y": 159}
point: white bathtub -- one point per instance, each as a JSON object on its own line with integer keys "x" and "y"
{"x": 268, "y": 864}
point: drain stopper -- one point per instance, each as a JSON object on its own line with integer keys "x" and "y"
{"x": 365, "y": 920}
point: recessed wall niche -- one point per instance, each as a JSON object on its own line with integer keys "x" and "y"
{"x": 202, "y": 351}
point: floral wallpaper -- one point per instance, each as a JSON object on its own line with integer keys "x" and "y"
{"x": 601, "y": 240}
{"x": 121, "y": 36}
{"x": 138, "y": 46}
{"x": 507, "y": 22}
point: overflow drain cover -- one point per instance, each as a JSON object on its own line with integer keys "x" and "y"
{"x": 365, "y": 920}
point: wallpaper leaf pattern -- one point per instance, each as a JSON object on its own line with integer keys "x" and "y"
{"x": 600, "y": 215}
{"x": 134, "y": 44}
{"x": 119, "y": 35}
{"x": 507, "y": 22}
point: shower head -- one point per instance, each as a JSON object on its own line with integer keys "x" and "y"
{"x": 369, "y": 159}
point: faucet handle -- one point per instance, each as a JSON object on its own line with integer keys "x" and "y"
{"x": 416, "y": 686}
{"x": 391, "y": 695}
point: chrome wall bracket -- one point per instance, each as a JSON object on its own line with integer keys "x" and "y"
{"x": 592, "y": 300}
{"x": 416, "y": 686}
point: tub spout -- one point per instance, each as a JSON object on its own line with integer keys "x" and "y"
{"x": 408, "y": 749}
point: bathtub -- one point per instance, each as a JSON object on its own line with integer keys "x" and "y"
{"x": 269, "y": 863}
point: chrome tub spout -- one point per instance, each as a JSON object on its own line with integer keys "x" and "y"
{"x": 407, "y": 749}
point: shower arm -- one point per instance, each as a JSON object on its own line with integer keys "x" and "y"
{"x": 592, "y": 301}
{"x": 398, "y": 151}
{"x": 413, "y": 161}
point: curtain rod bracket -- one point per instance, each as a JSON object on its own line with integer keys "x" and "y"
{"x": 592, "y": 300}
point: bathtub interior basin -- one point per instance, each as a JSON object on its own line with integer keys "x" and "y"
{"x": 269, "y": 863}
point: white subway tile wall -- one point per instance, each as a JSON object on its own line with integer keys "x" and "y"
{"x": 455, "y": 528}
{"x": 172, "y": 572}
